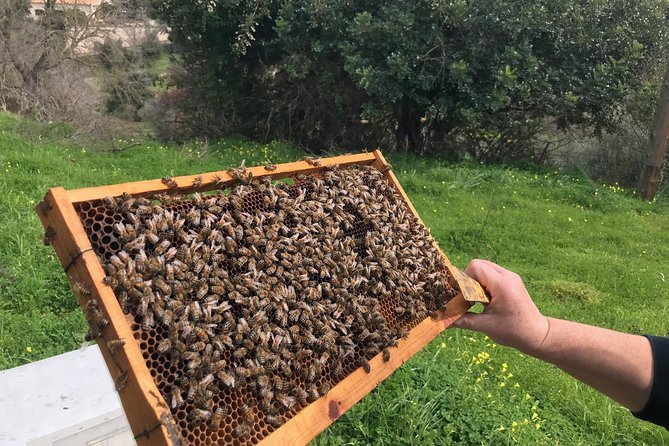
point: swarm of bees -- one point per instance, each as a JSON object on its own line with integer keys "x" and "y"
{"x": 275, "y": 290}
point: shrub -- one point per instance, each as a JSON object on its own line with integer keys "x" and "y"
{"x": 125, "y": 79}
{"x": 428, "y": 76}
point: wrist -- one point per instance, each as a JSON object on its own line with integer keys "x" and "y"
{"x": 539, "y": 342}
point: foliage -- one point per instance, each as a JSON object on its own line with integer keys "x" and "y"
{"x": 560, "y": 232}
{"x": 125, "y": 76}
{"x": 40, "y": 57}
{"x": 428, "y": 75}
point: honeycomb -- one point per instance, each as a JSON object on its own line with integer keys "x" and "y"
{"x": 242, "y": 420}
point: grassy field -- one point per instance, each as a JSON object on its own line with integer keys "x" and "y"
{"x": 588, "y": 252}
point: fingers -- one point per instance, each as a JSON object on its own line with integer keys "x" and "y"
{"x": 472, "y": 321}
{"x": 484, "y": 273}
{"x": 493, "y": 265}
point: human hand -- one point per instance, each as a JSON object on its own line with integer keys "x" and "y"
{"x": 511, "y": 318}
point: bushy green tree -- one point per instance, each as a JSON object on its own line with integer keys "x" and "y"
{"x": 428, "y": 74}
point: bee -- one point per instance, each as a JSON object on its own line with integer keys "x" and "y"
{"x": 169, "y": 182}
{"x": 228, "y": 379}
{"x": 203, "y": 398}
{"x": 247, "y": 413}
{"x": 192, "y": 391}
{"x": 243, "y": 372}
{"x": 311, "y": 373}
{"x": 144, "y": 304}
{"x": 195, "y": 311}
{"x": 273, "y": 420}
{"x": 285, "y": 367}
{"x": 96, "y": 317}
{"x": 301, "y": 396}
{"x": 93, "y": 333}
{"x": 200, "y": 415}
{"x": 278, "y": 383}
{"x": 197, "y": 182}
{"x": 81, "y": 289}
{"x": 207, "y": 380}
{"x": 110, "y": 202}
{"x": 168, "y": 318}
{"x": 202, "y": 292}
{"x": 121, "y": 381}
{"x": 365, "y": 365}
{"x": 239, "y": 353}
{"x": 148, "y": 321}
{"x": 242, "y": 430}
{"x": 162, "y": 247}
{"x": 386, "y": 355}
{"x": 127, "y": 204}
{"x": 162, "y": 286}
{"x": 110, "y": 281}
{"x": 270, "y": 167}
{"x": 177, "y": 399}
{"x": 287, "y": 401}
{"x": 217, "y": 289}
{"x": 164, "y": 346}
{"x": 220, "y": 413}
{"x": 312, "y": 161}
{"x": 114, "y": 345}
{"x": 152, "y": 237}
{"x": 194, "y": 363}
{"x": 199, "y": 266}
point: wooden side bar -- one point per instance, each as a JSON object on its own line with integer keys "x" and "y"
{"x": 213, "y": 180}
{"x": 146, "y": 410}
{"x": 314, "y": 418}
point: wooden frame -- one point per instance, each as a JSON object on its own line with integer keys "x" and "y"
{"x": 147, "y": 412}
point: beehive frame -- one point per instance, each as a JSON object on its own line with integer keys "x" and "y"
{"x": 147, "y": 412}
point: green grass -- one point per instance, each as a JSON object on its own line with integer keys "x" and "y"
{"x": 588, "y": 252}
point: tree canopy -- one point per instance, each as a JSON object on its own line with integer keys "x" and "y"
{"x": 425, "y": 74}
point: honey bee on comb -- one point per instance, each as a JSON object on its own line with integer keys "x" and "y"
{"x": 250, "y": 305}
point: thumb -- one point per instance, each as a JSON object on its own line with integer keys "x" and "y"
{"x": 471, "y": 321}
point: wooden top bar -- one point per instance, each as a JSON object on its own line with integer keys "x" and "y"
{"x": 209, "y": 180}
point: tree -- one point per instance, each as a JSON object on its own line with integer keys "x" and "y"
{"x": 658, "y": 144}
{"x": 34, "y": 52}
{"x": 424, "y": 75}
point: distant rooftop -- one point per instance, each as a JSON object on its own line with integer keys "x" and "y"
{"x": 70, "y": 2}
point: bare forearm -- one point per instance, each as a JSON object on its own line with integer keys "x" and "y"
{"x": 617, "y": 364}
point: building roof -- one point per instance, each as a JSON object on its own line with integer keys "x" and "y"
{"x": 70, "y": 2}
